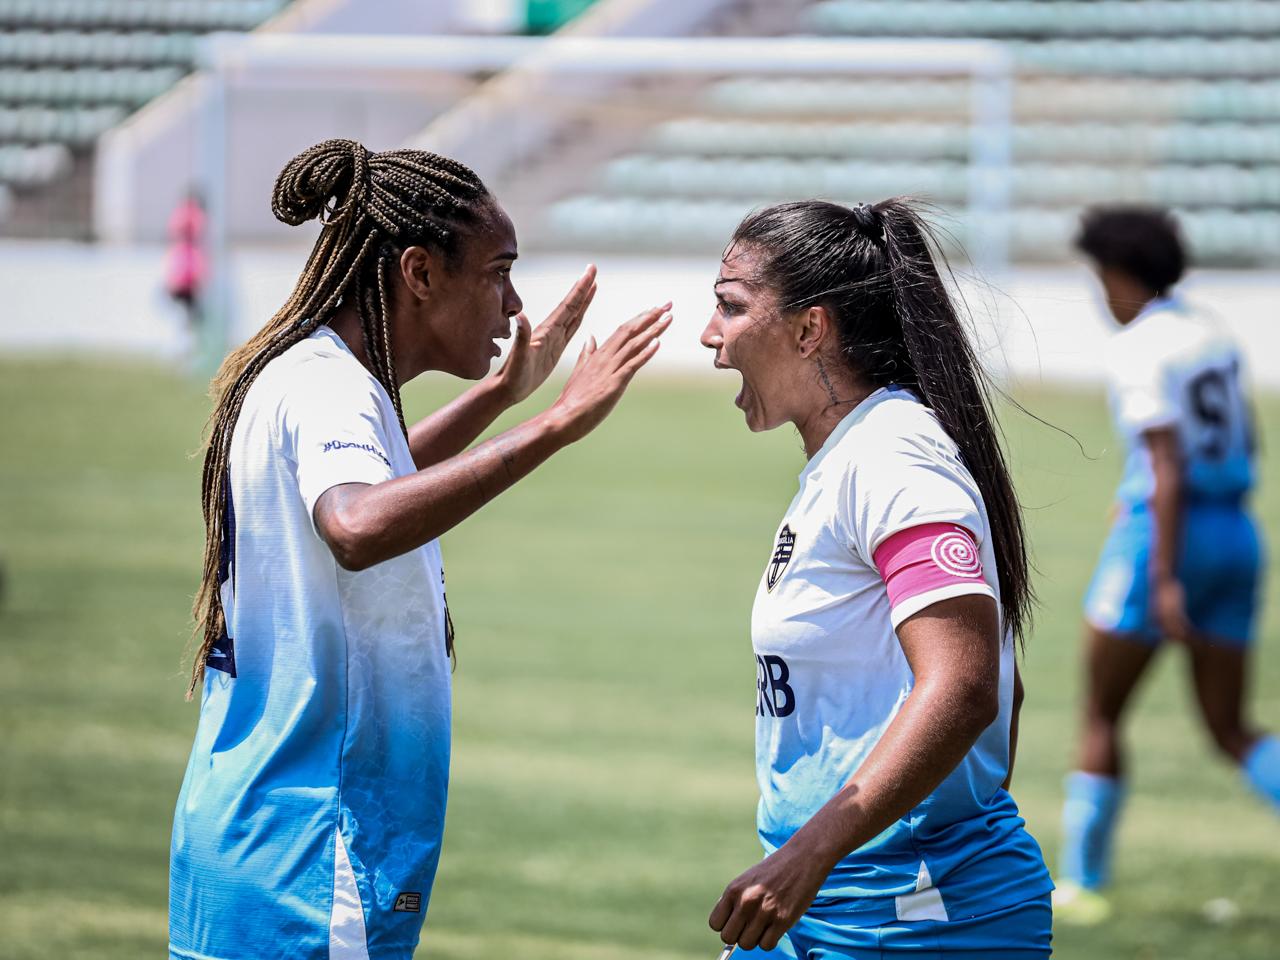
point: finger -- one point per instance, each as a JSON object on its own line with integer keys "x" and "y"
{"x": 523, "y": 331}
{"x": 772, "y": 936}
{"x": 567, "y": 316}
{"x": 720, "y": 912}
{"x": 578, "y": 297}
{"x": 743, "y": 914}
{"x": 749, "y": 939}
{"x": 574, "y": 320}
{"x": 629, "y": 369}
{"x": 641, "y": 341}
{"x": 634, "y": 327}
{"x": 583, "y": 355}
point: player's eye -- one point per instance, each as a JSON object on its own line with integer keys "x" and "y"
{"x": 727, "y": 308}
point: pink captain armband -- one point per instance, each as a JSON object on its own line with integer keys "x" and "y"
{"x": 922, "y": 565}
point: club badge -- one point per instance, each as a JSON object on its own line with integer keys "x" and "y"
{"x": 781, "y": 556}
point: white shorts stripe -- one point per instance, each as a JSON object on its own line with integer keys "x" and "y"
{"x": 346, "y": 922}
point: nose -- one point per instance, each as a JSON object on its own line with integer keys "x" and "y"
{"x": 511, "y": 302}
{"x": 711, "y": 337}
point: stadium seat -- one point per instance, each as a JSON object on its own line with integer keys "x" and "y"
{"x": 72, "y": 69}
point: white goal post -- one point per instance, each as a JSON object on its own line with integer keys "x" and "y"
{"x": 228, "y": 59}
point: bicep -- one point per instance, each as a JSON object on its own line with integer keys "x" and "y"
{"x": 955, "y": 641}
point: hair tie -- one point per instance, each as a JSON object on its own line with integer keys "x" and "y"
{"x": 867, "y": 221}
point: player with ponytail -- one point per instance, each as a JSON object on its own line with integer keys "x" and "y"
{"x": 310, "y": 819}
{"x": 895, "y": 595}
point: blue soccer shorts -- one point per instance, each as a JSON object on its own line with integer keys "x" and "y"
{"x": 1219, "y": 566}
{"x": 1023, "y": 931}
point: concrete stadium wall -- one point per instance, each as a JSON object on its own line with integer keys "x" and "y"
{"x": 145, "y": 166}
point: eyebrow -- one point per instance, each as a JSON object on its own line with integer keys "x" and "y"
{"x": 720, "y": 280}
{"x": 506, "y": 255}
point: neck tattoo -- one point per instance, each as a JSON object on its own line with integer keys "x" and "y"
{"x": 826, "y": 381}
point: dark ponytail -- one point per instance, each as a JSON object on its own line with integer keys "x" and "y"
{"x": 873, "y": 268}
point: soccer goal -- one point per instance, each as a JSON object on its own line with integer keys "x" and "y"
{"x": 652, "y": 147}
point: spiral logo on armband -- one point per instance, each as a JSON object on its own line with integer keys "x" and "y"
{"x": 957, "y": 554}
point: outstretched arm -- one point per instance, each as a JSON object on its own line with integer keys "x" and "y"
{"x": 365, "y": 524}
{"x": 453, "y": 428}
{"x": 953, "y": 647}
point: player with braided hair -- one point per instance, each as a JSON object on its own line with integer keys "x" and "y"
{"x": 310, "y": 818}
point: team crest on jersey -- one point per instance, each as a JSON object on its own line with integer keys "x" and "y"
{"x": 782, "y": 552}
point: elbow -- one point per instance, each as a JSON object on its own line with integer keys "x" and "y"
{"x": 979, "y": 704}
{"x": 351, "y": 542}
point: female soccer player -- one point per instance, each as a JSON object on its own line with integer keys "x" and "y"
{"x": 1183, "y": 559}
{"x": 885, "y": 621}
{"x": 310, "y": 819}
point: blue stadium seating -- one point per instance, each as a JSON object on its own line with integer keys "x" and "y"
{"x": 1174, "y": 102}
{"x": 71, "y": 69}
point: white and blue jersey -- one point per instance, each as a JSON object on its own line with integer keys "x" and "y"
{"x": 832, "y": 677}
{"x": 1173, "y": 368}
{"x": 310, "y": 820}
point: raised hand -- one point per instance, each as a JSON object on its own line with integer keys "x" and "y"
{"x": 602, "y": 373}
{"x": 535, "y": 353}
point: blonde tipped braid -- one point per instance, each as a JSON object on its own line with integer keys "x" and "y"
{"x": 372, "y": 207}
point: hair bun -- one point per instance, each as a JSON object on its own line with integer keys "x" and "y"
{"x": 330, "y": 177}
{"x": 867, "y": 221}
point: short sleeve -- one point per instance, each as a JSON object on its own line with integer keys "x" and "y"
{"x": 908, "y": 483}
{"x": 1141, "y": 395}
{"x": 336, "y": 434}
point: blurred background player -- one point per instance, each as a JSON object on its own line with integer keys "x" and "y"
{"x": 1183, "y": 559}
{"x": 884, "y": 625}
{"x": 186, "y": 268}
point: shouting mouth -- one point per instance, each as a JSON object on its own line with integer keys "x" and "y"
{"x": 740, "y": 399}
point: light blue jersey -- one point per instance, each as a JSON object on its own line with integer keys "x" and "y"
{"x": 832, "y": 677}
{"x": 310, "y": 819}
{"x": 1171, "y": 367}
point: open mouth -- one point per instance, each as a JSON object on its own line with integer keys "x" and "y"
{"x": 742, "y": 390}
{"x": 502, "y": 333}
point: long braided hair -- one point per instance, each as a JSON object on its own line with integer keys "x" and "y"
{"x": 373, "y": 206}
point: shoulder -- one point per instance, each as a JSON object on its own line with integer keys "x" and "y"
{"x": 900, "y": 428}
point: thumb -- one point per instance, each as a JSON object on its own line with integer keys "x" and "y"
{"x": 523, "y": 331}
{"x": 588, "y": 348}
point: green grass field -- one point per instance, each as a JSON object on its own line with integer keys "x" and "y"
{"x": 603, "y": 789}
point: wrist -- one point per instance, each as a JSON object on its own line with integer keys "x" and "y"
{"x": 816, "y": 848}
{"x": 553, "y": 424}
{"x": 498, "y": 391}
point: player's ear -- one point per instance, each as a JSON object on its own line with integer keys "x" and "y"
{"x": 418, "y": 269}
{"x": 812, "y": 326}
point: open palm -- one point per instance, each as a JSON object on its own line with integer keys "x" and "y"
{"x": 536, "y": 352}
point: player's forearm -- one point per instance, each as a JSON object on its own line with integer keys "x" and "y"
{"x": 936, "y": 727}
{"x": 1166, "y": 508}
{"x": 365, "y": 525}
{"x": 452, "y": 428}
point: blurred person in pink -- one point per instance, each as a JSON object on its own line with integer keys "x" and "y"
{"x": 186, "y": 267}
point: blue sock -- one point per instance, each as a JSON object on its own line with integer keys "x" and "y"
{"x": 1262, "y": 768}
{"x": 1088, "y": 822}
